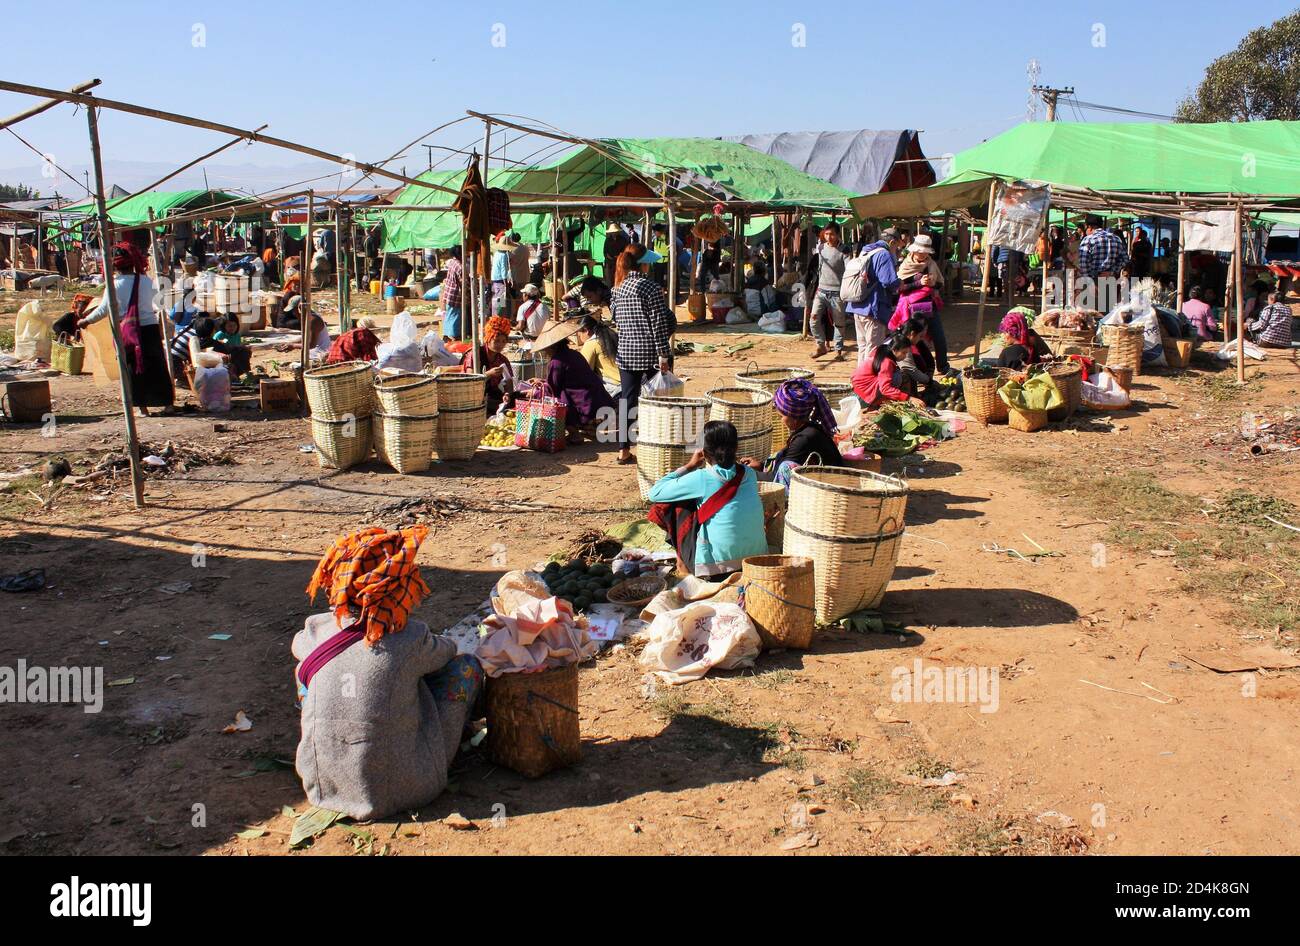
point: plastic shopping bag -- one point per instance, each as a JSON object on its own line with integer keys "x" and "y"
{"x": 539, "y": 421}
{"x": 663, "y": 384}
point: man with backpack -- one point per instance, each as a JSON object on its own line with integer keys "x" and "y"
{"x": 827, "y": 271}
{"x": 869, "y": 284}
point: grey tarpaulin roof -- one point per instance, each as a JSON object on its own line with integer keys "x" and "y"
{"x": 860, "y": 161}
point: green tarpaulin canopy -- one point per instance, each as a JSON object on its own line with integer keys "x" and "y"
{"x": 134, "y": 211}
{"x": 1216, "y": 158}
{"x": 730, "y": 170}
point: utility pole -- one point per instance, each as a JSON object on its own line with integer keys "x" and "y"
{"x": 1050, "y": 95}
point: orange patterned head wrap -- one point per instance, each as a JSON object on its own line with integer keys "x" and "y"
{"x": 495, "y": 328}
{"x": 373, "y": 574}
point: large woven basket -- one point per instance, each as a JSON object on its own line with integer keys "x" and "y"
{"x": 835, "y": 391}
{"x": 1069, "y": 379}
{"x": 774, "y": 497}
{"x": 769, "y": 379}
{"x": 405, "y": 441}
{"x": 1124, "y": 344}
{"x": 780, "y": 595}
{"x": 532, "y": 720}
{"x": 1027, "y": 421}
{"x": 751, "y": 413}
{"x": 409, "y": 394}
{"x": 462, "y": 415}
{"x": 850, "y": 523}
{"x": 980, "y": 388}
{"x": 668, "y": 431}
{"x": 335, "y": 392}
{"x": 341, "y": 443}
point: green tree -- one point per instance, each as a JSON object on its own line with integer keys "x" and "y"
{"x": 17, "y": 192}
{"x": 1260, "y": 79}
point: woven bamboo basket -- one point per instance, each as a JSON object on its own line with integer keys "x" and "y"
{"x": 407, "y": 394}
{"x": 835, "y": 391}
{"x": 981, "y": 393}
{"x": 1028, "y": 421}
{"x": 405, "y": 441}
{"x": 532, "y": 720}
{"x": 335, "y": 392}
{"x": 751, "y": 413}
{"x": 774, "y": 499}
{"x": 1125, "y": 346}
{"x": 668, "y": 430}
{"x": 850, "y": 523}
{"x": 769, "y": 379}
{"x": 1069, "y": 379}
{"x": 462, "y": 414}
{"x": 341, "y": 443}
{"x": 780, "y": 595}
{"x": 1123, "y": 376}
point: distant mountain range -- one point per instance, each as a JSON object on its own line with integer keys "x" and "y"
{"x": 133, "y": 175}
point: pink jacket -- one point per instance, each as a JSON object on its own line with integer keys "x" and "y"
{"x": 921, "y": 303}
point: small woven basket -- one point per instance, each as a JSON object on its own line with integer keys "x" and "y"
{"x": 1028, "y": 421}
{"x": 66, "y": 355}
{"x": 780, "y": 596}
{"x": 405, "y": 441}
{"x": 636, "y": 592}
{"x": 532, "y": 720}
{"x": 1069, "y": 379}
{"x": 335, "y": 392}
{"x": 407, "y": 394}
{"x": 1124, "y": 344}
{"x": 341, "y": 443}
{"x": 980, "y": 388}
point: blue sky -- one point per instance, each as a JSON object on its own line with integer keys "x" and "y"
{"x": 366, "y": 78}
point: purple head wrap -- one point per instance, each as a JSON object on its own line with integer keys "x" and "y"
{"x": 801, "y": 399}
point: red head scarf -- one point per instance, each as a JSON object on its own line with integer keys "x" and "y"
{"x": 127, "y": 258}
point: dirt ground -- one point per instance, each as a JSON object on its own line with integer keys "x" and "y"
{"x": 1108, "y": 737}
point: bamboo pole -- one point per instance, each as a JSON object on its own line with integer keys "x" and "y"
{"x": 1182, "y": 271}
{"x": 44, "y": 106}
{"x": 115, "y": 314}
{"x": 304, "y": 276}
{"x": 342, "y": 278}
{"x": 984, "y": 278}
{"x": 672, "y": 256}
{"x": 192, "y": 122}
{"x": 1240, "y": 291}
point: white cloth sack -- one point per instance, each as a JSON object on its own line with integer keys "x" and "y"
{"x": 211, "y": 383}
{"x": 773, "y": 322}
{"x": 754, "y": 302}
{"x": 402, "y": 350}
{"x": 739, "y": 316}
{"x": 1143, "y": 315}
{"x": 1228, "y": 351}
{"x": 686, "y": 644}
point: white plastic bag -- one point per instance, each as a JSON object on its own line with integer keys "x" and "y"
{"x": 1228, "y": 351}
{"x": 396, "y": 358}
{"x": 848, "y": 413}
{"x": 403, "y": 331}
{"x": 211, "y": 383}
{"x": 754, "y": 302}
{"x": 717, "y": 285}
{"x": 738, "y": 316}
{"x": 663, "y": 384}
{"x": 773, "y": 322}
{"x": 768, "y": 295}
{"x": 1102, "y": 392}
{"x": 686, "y": 644}
{"x": 433, "y": 348}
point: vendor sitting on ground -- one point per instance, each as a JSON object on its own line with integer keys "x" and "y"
{"x": 494, "y": 365}
{"x": 599, "y": 345}
{"x": 807, "y": 415}
{"x": 228, "y": 339}
{"x": 918, "y": 365}
{"x": 358, "y": 344}
{"x": 367, "y": 669}
{"x": 570, "y": 378}
{"x": 1022, "y": 345}
{"x": 66, "y": 324}
{"x": 204, "y": 329}
{"x": 1274, "y": 327}
{"x": 533, "y": 313}
{"x": 880, "y": 377}
{"x": 710, "y": 507}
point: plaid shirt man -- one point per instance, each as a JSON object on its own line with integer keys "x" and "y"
{"x": 1273, "y": 327}
{"x": 644, "y": 323}
{"x": 450, "y": 295}
{"x": 1101, "y": 252}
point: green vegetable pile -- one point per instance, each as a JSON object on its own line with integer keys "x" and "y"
{"x": 580, "y": 584}
{"x": 900, "y": 429}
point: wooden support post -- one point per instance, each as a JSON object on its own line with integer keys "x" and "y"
{"x": 672, "y": 256}
{"x": 342, "y": 279}
{"x": 984, "y": 278}
{"x": 1047, "y": 258}
{"x": 304, "y": 271}
{"x": 1182, "y": 272}
{"x": 115, "y": 314}
{"x": 1240, "y": 292}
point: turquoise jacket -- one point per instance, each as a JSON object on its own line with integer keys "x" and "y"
{"x": 735, "y": 532}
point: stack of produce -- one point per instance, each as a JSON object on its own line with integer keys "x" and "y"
{"x": 953, "y": 397}
{"x": 899, "y": 430}
{"x": 580, "y": 584}
{"x": 499, "y": 431}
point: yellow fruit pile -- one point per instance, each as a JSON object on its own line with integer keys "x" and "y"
{"x": 501, "y": 433}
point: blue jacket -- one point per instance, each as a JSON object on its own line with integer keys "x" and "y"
{"x": 735, "y": 532}
{"x": 879, "y": 301}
